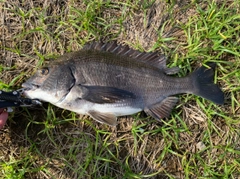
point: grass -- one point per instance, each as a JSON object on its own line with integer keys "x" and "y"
{"x": 199, "y": 139}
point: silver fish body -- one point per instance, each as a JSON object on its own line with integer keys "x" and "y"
{"x": 110, "y": 80}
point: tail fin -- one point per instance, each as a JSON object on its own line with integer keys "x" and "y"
{"x": 204, "y": 86}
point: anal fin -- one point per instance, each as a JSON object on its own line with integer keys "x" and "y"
{"x": 162, "y": 109}
{"x": 107, "y": 118}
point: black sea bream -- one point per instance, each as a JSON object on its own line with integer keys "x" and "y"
{"x": 109, "y": 80}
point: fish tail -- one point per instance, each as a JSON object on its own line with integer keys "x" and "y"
{"x": 204, "y": 85}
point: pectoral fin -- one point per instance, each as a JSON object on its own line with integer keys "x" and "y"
{"x": 162, "y": 109}
{"x": 102, "y": 94}
{"x": 107, "y": 118}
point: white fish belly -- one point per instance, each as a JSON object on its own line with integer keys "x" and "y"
{"x": 82, "y": 107}
{"x": 117, "y": 110}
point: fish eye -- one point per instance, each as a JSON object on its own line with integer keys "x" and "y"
{"x": 44, "y": 71}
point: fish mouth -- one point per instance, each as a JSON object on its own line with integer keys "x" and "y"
{"x": 29, "y": 86}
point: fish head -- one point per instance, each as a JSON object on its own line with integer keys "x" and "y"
{"x": 50, "y": 84}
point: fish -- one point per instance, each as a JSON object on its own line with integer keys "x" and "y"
{"x": 107, "y": 80}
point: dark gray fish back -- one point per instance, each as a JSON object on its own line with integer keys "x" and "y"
{"x": 152, "y": 58}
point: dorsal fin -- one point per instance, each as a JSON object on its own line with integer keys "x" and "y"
{"x": 152, "y": 58}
